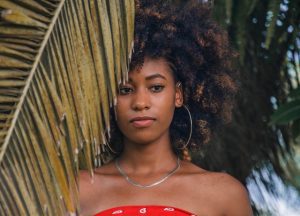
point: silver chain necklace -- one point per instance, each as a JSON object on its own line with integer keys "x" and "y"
{"x": 121, "y": 171}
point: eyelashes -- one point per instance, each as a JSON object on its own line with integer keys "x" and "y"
{"x": 129, "y": 90}
{"x": 125, "y": 90}
{"x": 157, "y": 88}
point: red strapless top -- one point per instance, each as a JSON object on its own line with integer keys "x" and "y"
{"x": 145, "y": 210}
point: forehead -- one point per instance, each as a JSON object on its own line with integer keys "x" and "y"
{"x": 152, "y": 68}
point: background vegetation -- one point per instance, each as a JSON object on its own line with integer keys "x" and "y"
{"x": 266, "y": 34}
{"x": 264, "y": 135}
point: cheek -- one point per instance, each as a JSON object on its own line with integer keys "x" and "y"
{"x": 121, "y": 113}
{"x": 164, "y": 108}
{"x": 165, "y": 103}
{"x": 124, "y": 126}
{"x": 170, "y": 114}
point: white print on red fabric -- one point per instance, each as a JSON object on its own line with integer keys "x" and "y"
{"x": 118, "y": 212}
{"x": 143, "y": 210}
{"x": 169, "y": 209}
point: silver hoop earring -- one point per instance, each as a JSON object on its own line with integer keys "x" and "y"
{"x": 111, "y": 149}
{"x": 191, "y": 129}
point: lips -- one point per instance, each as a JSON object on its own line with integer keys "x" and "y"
{"x": 141, "y": 122}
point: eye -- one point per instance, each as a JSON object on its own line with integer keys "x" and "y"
{"x": 157, "y": 88}
{"x": 125, "y": 90}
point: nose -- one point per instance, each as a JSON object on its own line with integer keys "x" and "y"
{"x": 141, "y": 100}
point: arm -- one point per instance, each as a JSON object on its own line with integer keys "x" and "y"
{"x": 236, "y": 198}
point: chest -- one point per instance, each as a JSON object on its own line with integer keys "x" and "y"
{"x": 174, "y": 194}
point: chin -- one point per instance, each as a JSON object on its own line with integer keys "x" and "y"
{"x": 146, "y": 135}
{"x": 143, "y": 139}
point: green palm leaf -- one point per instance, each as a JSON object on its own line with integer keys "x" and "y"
{"x": 286, "y": 113}
{"x": 60, "y": 63}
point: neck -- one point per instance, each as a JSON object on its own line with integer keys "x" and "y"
{"x": 148, "y": 158}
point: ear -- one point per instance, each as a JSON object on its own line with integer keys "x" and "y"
{"x": 178, "y": 95}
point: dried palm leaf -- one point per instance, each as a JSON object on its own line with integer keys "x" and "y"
{"x": 60, "y": 64}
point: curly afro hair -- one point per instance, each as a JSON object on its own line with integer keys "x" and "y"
{"x": 200, "y": 57}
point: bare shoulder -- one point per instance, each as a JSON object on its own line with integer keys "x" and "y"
{"x": 92, "y": 187}
{"x": 87, "y": 180}
{"x": 220, "y": 180}
{"x": 232, "y": 194}
{"x": 226, "y": 192}
{"x": 227, "y": 186}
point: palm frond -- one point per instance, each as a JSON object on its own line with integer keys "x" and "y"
{"x": 60, "y": 64}
{"x": 274, "y": 8}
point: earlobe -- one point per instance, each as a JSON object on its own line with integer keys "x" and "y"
{"x": 178, "y": 95}
{"x": 178, "y": 104}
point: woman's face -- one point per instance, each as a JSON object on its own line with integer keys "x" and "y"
{"x": 145, "y": 105}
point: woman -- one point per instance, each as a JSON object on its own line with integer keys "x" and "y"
{"x": 180, "y": 88}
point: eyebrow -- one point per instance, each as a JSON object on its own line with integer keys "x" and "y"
{"x": 154, "y": 76}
